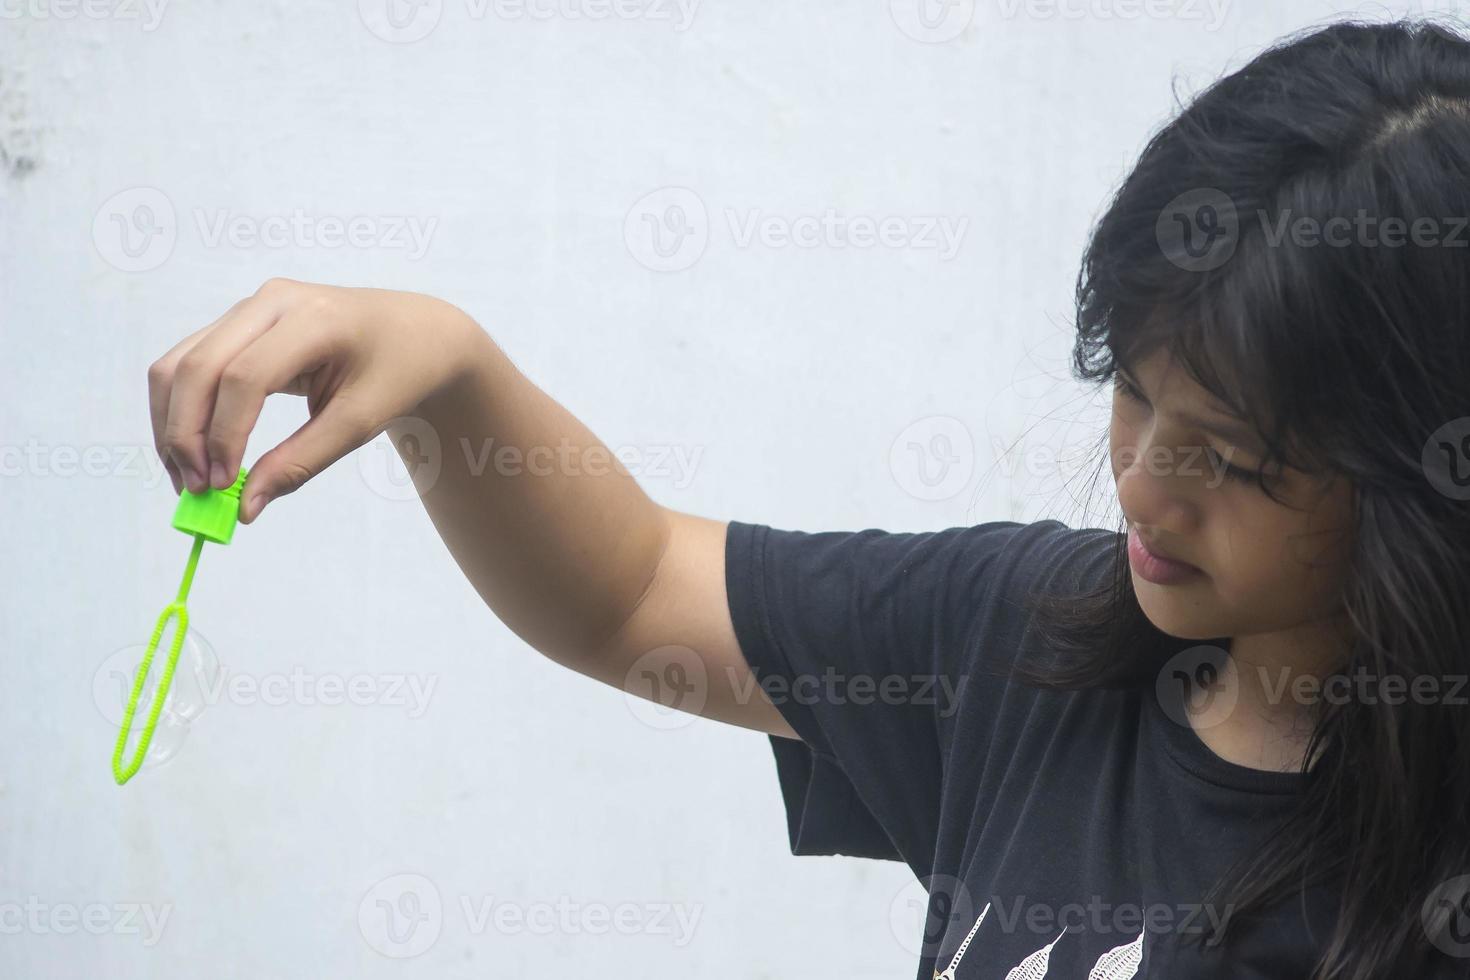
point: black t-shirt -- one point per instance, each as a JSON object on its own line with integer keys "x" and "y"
{"x": 1064, "y": 834}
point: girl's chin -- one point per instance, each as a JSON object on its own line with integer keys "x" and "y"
{"x": 1170, "y": 614}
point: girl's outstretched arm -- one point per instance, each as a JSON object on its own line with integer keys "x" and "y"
{"x": 551, "y": 529}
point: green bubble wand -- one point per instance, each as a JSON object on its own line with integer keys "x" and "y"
{"x": 209, "y": 516}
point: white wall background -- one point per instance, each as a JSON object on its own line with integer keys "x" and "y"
{"x": 523, "y": 149}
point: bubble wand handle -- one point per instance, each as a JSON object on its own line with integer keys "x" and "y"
{"x": 208, "y": 516}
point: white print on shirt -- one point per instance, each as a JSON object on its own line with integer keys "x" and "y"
{"x": 1118, "y": 963}
{"x": 1034, "y": 966}
{"x": 948, "y": 974}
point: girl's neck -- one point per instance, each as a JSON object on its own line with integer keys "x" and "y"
{"x": 1266, "y": 701}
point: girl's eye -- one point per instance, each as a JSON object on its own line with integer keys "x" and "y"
{"x": 1239, "y": 474}
{"x": 1126, "y": 389}
{"x": 1234, "y": 472}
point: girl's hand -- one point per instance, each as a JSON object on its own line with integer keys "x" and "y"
{"x": 361, "y": 357}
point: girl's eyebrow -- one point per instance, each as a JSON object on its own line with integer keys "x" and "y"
{"x": 1230, "y": 429}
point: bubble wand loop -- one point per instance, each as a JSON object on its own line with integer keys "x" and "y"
{"x": 208, "y": 516}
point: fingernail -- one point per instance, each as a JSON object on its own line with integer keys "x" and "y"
{"x": 257, "y": 504}
{"x": 191, "y": 479}
{"x": 217, "y": 475}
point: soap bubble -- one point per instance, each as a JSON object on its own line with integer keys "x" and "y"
{"x": 195, "y": 686}
{"x": 166, "y": 744}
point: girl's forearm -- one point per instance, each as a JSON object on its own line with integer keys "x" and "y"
{"x": 554, "y": 533}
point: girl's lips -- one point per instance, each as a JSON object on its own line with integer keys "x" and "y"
{"x": 1152, "y": 568}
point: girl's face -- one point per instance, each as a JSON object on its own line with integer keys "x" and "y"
{"x": 1178, "y": 460}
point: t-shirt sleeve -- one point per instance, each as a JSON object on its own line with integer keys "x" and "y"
{"x": 866, "y": 641}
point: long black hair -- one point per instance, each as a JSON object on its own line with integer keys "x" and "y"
{"x": 1349, "y": 351}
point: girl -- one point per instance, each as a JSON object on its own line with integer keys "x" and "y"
{"x": 1228, "y": 739}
